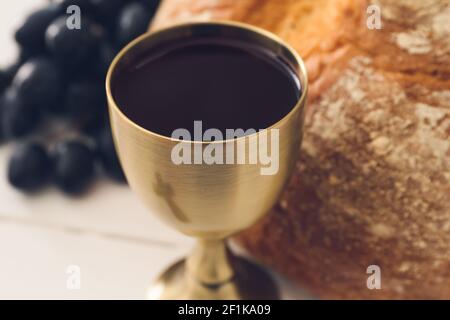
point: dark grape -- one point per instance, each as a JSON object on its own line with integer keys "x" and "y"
{"x": 4, "y": 80}
{"x": 11, "y": 70}
{"x": 108, "y": 155}
{"x": 73, "y": 166}
{"x": 31, "y": 34}
{"x": 95, "y": 124}
{"x": 72, "y": 47}
{"x": 106, "y": 7}
{"x": 64, "y": 4}
{"x": 84, "y": 101}
{"x": 29, "y": 167}
{"x": 133, "y": 21}
{"x": 2, "y": 131}
{"x": 18, "y": 117}
{"x": 106, "y": 11}
{"x": 39, "y": 82}
{"x": 24, "y": 56}
{"x": 7, "y": 74}
{"x": 151, "y": 5}
{"x": 106, "y": 55}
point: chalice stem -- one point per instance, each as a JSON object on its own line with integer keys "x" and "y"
{"x": 210, "y": 262}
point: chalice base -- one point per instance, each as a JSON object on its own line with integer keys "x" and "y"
{"x": 250, "y": 282}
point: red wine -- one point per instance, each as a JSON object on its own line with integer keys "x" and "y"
{"x": 226, "y": 84}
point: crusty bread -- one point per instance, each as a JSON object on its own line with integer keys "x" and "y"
{"x": 372, "y": 185}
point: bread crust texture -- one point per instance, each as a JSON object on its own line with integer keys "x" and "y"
{"x": 372, "y": 183}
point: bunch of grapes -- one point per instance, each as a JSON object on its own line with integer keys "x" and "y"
{"x": 53, "y": 101}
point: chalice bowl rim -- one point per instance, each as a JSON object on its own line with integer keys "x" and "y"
{"x": 225, "y": 23}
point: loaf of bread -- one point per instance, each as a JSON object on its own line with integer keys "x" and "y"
{"x": 372, "y": 184}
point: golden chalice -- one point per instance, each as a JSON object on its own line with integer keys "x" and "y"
{"x": 209, "y": 202}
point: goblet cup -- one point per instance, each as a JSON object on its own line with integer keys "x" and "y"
{"x": 207, "y": 201}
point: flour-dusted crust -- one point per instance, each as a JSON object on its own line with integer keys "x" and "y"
{"x": 372, "y": 185}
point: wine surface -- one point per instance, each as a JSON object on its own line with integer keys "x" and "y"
{"x": 225, "y": 84}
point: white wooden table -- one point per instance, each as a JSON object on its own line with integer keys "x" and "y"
{"x": 117, "y": 244}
